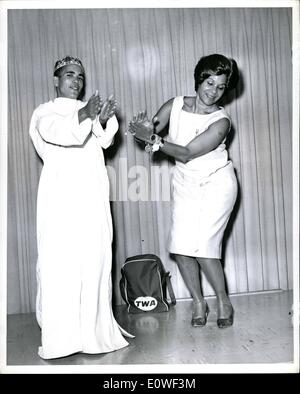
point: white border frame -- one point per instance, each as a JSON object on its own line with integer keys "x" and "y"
{"x": 145, "y": 368}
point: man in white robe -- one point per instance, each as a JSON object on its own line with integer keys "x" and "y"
{"x": 74, "y": 226}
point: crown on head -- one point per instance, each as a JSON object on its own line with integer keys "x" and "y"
{"x": 66, "y": 61}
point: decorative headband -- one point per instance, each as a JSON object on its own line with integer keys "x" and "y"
{"x": 66, "y": 61}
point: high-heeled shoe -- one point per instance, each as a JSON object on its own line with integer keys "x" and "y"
{"x": 226, "y": 322}
{"x": 200, "y": 321}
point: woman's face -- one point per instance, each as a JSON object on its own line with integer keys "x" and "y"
{"x": 212, "y": 89}
{"x": 70, "y": 82}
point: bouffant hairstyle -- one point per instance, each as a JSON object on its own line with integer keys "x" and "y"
{"x": 216, "y": 65}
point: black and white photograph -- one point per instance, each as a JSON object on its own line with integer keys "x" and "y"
{"x": 149, "y": 187}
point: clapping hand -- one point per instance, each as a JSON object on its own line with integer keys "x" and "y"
{"x": 93, "y": 106}
{"x": 141, "y": 127}
{"x": 108, "y": 109}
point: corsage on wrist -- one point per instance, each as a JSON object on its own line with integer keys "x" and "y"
{"x": 157, "y": 142}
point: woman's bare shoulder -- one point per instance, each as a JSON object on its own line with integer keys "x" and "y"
{"x": 166, "y": 107}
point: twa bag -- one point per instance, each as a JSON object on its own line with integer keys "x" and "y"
{"x": 144, "y": 283}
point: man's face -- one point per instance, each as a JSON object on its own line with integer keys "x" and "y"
{"x": 70, "y": 82}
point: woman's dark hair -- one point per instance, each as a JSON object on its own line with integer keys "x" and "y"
{"x": 216, "y": 65}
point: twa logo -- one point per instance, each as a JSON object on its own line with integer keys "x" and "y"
{"x": 145, "y": 303}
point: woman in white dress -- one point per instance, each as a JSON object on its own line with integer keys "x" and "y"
{"x": 204, "y": 186}
{"x": 74, "y": 226}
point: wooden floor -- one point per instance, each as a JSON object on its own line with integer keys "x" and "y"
{"x": 262, "y": 333}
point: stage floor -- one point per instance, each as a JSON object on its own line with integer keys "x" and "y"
{"x": 262, "y": 333}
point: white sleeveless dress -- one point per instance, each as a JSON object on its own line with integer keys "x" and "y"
{"x": 204, "y": 189}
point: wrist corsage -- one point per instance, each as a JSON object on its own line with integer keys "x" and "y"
{"x": 156, "y": 143}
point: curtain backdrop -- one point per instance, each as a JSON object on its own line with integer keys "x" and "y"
{"x": 145, "y": 57}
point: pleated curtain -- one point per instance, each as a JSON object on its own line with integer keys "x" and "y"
{"x": 145, "y": 57}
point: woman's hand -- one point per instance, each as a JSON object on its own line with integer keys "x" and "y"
{"x": 141, "y": 127}
{"x": 108, "y": 109}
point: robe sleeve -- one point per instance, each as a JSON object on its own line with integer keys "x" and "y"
{"x": 37, "y": 140}
{"x": 63, "y": 130}
{"x": 105, "y": 136}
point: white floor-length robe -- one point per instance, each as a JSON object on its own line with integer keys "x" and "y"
{"x": 74, "y": 233}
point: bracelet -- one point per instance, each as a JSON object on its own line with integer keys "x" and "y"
{"x": 158, "y": 142}
{"x": 154, "y": 138}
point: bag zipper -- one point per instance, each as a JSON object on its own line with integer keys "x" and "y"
{"x": 133, "y": 261}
